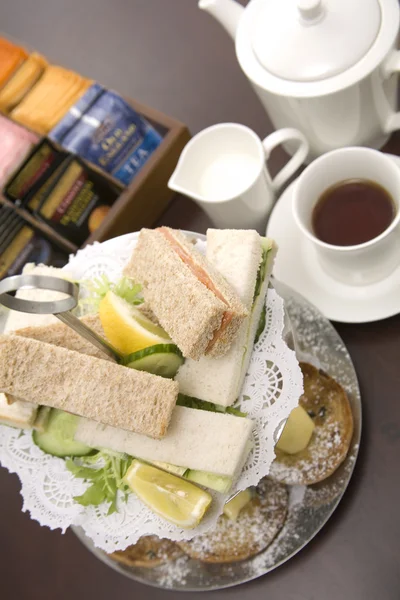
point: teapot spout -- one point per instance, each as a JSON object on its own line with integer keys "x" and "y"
{"x": 227, "y": 12}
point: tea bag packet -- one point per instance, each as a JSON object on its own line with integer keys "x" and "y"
{"x": 8, "y": 221}
{"x": 32, "y": 175}
{"x": 76, "y": 202}
{"x": 15, "y": 144}
{"x": 21, "y": 245}
{"x": 22, "y": 81}
{"x": 75, "y": 113}
{"x": 48, "y": 101}
{"x": 39, "y": 192}
{"x": 111, "y": 135}
{"x": 11, "y": 57}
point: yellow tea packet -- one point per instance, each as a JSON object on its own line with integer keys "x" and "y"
{"x": 56, "y": 91}
{"x": 22, "y": 81}
{"x": 11, "y": 56}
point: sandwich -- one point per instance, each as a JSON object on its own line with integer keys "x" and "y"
{"x": 245, "y": 260}
{"x": 189, "y": 297}
{"x": 18, "y": 320}
{"x": 86, "y": 386}
{"x": 63, "y": 336}
{"x": 206, "y": 441}
{"x": 23, "y": 415}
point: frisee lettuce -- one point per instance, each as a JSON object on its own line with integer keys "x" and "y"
{"x": 191, "y": 402}
{"x": 95, "y": 289}
{"x": 106, "y": 472}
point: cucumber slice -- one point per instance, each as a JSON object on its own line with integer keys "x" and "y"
{"x": 58, "y": 439}
{"x": 161, "y": 359}
{"x": 219, "y": 483}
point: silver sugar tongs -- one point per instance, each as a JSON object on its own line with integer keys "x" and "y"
{"x": 59, "y": 308}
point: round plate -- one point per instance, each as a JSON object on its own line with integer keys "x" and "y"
{"x": 297, "y": 265}
{"x": 309, "y": 507}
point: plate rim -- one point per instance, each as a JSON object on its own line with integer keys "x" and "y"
{"x": 282, "y": 289}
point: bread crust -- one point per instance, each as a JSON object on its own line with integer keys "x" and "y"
{"x": 87, "y": 386}
{"x": 61, "y": 335}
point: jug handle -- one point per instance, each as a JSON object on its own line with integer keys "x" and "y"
{"x": 279, "y": 137}
{"x": 390, "y": 66}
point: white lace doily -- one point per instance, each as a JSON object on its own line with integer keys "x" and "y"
{"x": 271, "y": 390}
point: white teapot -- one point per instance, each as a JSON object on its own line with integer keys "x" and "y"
{"x": 326, "y": 67}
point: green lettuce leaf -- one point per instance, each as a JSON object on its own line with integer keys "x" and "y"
{"x": 95, "y": 289}
{"x": 94, "y": 495}
{"x": 106, "y": 472}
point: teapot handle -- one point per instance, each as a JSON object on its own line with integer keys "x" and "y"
{"x": 390, "y": 66}
{"x": 279, "y": 137}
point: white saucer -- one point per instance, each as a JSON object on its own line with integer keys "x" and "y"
{"x": 297, "y": 265}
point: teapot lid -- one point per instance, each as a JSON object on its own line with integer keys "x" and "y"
{"x": 311, "y": 40}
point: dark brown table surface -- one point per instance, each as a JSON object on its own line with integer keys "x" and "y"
{"x": 170, "y": 55}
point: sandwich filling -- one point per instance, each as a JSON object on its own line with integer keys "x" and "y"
{"x": 261, "y": 275}
{"x": 203, "y": 278}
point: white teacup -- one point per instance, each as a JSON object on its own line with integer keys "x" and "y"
{"x": 223, "y": 169}
{"x": 361, "y": 264}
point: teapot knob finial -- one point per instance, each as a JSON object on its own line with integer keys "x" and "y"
{"x": 310, "y": 9}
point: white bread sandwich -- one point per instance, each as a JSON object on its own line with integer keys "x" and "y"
{"x": 245, "y": 260}
{"x": 23, "y": 415}
{"x": 19, "y": 320}
{"x": 86, "y": 386}
{"x": 189, "y": 297}
{"x": 19, "y": 414}
{"x": 196, "y": 439}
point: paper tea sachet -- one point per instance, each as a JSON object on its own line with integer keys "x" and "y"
{"x": 72, "y": 117}
{"x": 105, "y": 130}
{"x": 22, "y": 81}
{"x": 76, "y": 201}
{"x": 33, "y": 174}
{"x": 57, "y": 187}
{"x": 19, "y": 244}
{"x": 56, "y": 91}
{"x": 11, "y": 57}
{"x": 16, "y": 144}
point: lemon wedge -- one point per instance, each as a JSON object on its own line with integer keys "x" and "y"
{"x": 174, "y": 499}
{"x": 126, "y": 327}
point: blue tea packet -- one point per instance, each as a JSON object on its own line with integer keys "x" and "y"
{"x": 75, "y": 113}
{"x": 109, "y": 134}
